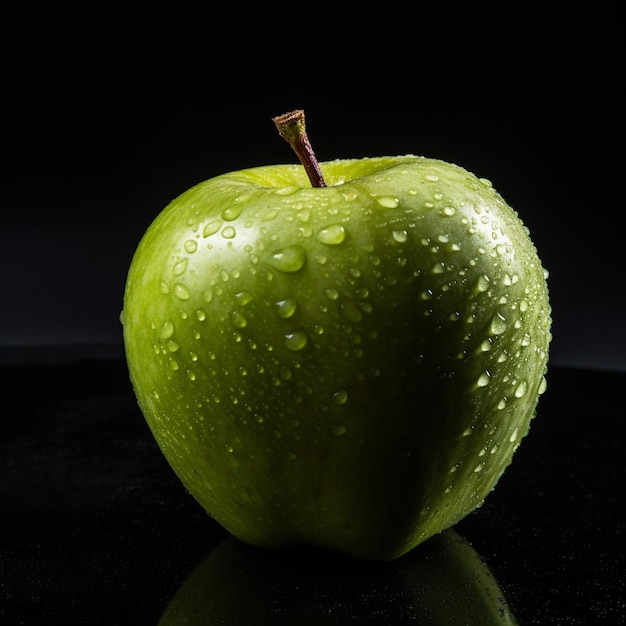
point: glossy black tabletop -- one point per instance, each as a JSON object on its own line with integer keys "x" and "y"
{"x": 95, "y": 528}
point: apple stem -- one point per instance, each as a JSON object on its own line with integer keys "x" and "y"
{"x": 292, "y": 128}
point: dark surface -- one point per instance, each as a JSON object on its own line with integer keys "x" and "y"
{"x": 95, "y": 529}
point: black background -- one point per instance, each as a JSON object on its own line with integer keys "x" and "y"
{"x": 107, "y": 116}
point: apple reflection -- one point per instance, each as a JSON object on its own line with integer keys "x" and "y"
{"x": 443, "y": 581}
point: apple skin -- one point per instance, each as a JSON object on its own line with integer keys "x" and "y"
{"x": 350, "y": 366}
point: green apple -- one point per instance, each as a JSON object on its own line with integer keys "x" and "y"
{"x": 443, "y": 582}
{"x": 350, "y": 364}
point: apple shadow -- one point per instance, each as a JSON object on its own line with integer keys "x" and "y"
{"x": 443, "y": 581}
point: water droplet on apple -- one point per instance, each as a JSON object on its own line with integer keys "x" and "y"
{"x": 339, "y": 429}
{"x": 243, "y": 298}
{"x": 437, "y": 268}
{"x": 191, "y": 375}
{"x": 433, "y": 178}
{"x": 332, "y": 294}
{"x": 447, "y": 211}
{"x": 340, "y": 397}
{"x": 483, "y": 380}
{"x": 172, "y": 346}
{"x": 201, "y": 315}
{"x": 174, "y": 365}
{"x": 482, "y": 284}
{"x": 543, "y": 386}
{"x": 486, "y": 345}
{"x": 289, "y": 259}
{"x": 167, "y": 330}
{"x": 231, "y": 213}
{"x": 191, "y": 245}
{"x": 479, "y": 467}
{"x": 388, "y": 202}
{"x": 181, "y": 292}
{"x": 210, "y": 228}
{"x": 331, "y": 235}
{"x": 513, "y": 437}
{"x": 521, "y": 389}
{"x": 286, "y": 308}
{"x": 400, "y": 235}
{"x": 498, "y": 324}
{"x": 180, "y": 267}
{"x": 238, "y": 319}
{"x": 229, "y": 232}
{"x": 296, "y": 340}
